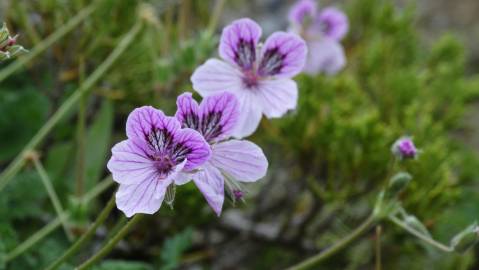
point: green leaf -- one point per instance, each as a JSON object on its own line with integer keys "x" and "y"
{"x": 174, "y": 247}
{"x": 98, "y": 144}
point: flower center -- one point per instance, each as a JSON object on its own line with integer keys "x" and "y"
{"x": 163, "y": 164}
{"x": 250, "y": 78}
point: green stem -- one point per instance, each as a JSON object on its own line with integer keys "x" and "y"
{"x": 32, "y": 240}
{"x": 81, "y": 143}
{"x": 85, "y": 237}
{"x": 46, "y": 43}
{"x": 54, "y": 224}
{"x": 110, "y": 244}
{"x": 421, "y": 236}
{"x": 19, "y": 161}
{"x": 218, "y": 9}
{"x": 53, "y": 196}
{"x": 315, "y": 260}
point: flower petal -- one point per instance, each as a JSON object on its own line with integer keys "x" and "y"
{"x": 250, "y": 114}
{"x": 277, "y": 96}
{"x": 243, "y": 160}
{"x": 210, "y": 182}
{"x": 143, "y": 121}
{"x": 146, "y": 196}
{"x": 333, "y": 23}
{"x": 216, "y": 76}
{"x": 238, "y": 43}
{"x": 193, "y": 147}
{"x": 283, "y": 55}
{"x": 301, "y": 11}
{"x": 129, "y": 164}
{"x": 325, "y": 56}
{"x": 219, "y": 115}
{"x": 187, "y": 112}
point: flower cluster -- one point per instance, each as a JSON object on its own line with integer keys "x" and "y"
{"x": 323, "y": 30}
{"x": 202, "y": 142}
{"x": 8, "y": 44}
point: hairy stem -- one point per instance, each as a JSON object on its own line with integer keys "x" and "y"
{"x": 81, "y": 143}
{"x": 421, "y": 236}
{"x": 85, "y": 237}
{"x": 110, "y": 244}
{"x": 315, "y": 260}
{"x": 19, "y": 161}
{"x": 46, "y": 43}
{"x": 53, "y": 196}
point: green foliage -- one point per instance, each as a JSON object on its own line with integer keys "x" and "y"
{"x": 334, "y": 149}
{"x": 174, "y": 247}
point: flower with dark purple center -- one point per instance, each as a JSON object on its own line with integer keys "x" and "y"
{"x": 323, "y": 30}
{"x": 231, "y": 160}
{"x": 404, "y": 148}
{"x": 260, "y": 78}
{"x": 156, "y": 153}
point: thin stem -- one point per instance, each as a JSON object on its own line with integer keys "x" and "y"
{"x": 53, "y": 196}
{"x": 218, "y": 9}
{"x": 315, "y": 260}
{"x": 19, "y": 161}
{"x": 97, "y": 190}
{"x": 110, "y": 244}
{"x": 46, "y": 43}
{"x": 421, "y": 236}
{"x": 81, "y": 143}
{"x": 35, "y": 238}
{"x": 378, "y": 247}
{"x": 54, "y": 224}
{"x": 85, "y": 237}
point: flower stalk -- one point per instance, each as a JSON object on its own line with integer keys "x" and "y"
{"x": 85, "y": 237}
{"x": 419, "y": 235}
{"x": 105, "y": 250}
{"x": 317, "y": 259}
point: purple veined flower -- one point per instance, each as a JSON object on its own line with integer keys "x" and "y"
{"x": 404, "y": 148}
{"x": 322, "y": 30}
{"x": 258, "y": 75}
{"x": 231, "y": 160}
{"x": 156, "y": 153}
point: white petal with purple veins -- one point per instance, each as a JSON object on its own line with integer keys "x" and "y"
{"x": 325, "y": 55}
{"x": 129, "y": 164}
{"x": 210, "y": 182}
{"x": 277, "y": 96}
{"x": 251, "y": 111}
{"x": 146, "y": 196}
{"x": 216, "y": 76}
{"x": 283, "y": 55}
{"x": 243, "y": 160}
{"x": 238, "y": 43}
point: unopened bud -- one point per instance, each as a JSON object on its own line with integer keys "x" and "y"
{"x": 417, "y": 225}
{"x": 8, "y": 44}
{"x": 170, "y": 195}
{"x": 466, "y": 239}
{"x": 397, "y": 184}
{"x": 404, "y": 148}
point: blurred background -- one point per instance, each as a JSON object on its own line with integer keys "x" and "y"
{"x": 412, "y": 70}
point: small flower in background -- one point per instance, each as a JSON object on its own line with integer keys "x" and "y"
{"x": 8, "y": 44}
{"x": 154, "y": 156}
{"x": 231, "y": 160}
{"x": 259, "y": 76}
{"x": 323, "y": 30}
{"x": 404, "y": 148}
